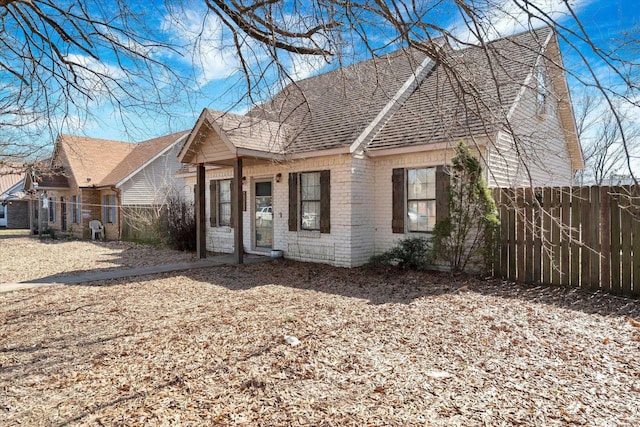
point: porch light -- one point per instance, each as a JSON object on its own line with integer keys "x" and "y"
{"x": 278, "y": 177}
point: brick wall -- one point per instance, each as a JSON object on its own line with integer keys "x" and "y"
{"x": 18, "y": 214}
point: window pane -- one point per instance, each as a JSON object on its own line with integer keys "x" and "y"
{"x": 263, "y": 189}
{"x": 225, "y": 191}
{"x": 421, "y": 215}
{"x": 310, "y": 186}
{"x": 431, "y": 183}
{"x": 417, "y": 184}
{"x": 310, "y": 215}
{"x": 225, "y": 214}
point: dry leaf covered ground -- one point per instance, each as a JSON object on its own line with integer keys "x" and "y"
{"x": 212, "y": 346}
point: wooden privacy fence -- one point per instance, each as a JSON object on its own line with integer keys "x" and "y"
{"x": 573, "y": 236}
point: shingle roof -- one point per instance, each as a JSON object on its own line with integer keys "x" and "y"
{"x": 141, "y": 153}
{"x": 473, "y": 100}
{"x": 250, "y": 132}
{"x": 92, "y": 159}
{"x": 9, "y": 177}
{"x": 331, "y": 110}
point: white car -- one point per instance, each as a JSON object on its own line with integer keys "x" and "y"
{"x": 265, "y": 213}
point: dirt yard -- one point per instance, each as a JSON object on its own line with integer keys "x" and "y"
{"x": 285, "y": 343}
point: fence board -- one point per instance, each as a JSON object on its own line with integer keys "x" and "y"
{"x": 520, "y": 233}
{"x": 575, "y": 246}
{"x": 635, "y": 290}
{"x": 530, "y": 234}
{"x": 585, "y": 237}
{"x": 554, "y": 211}
{"x": 605, "y": 239}
{"x": 626, "y": 237}
{"x": 537, "y": 237}
{"x": 547, "y": 259}
{"x": 594, "y": 238}
{"x": 495, "y": 267}
{"x": 615, "y": 241}
{"x": 511, "y": 269}
{"x": 504, "y": 235}
{"x": 635, "y": 230}
{"x": 565, "y": 235}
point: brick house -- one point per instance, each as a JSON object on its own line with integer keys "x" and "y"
{"x": 91, "y": 178}
{"x": 340, "y": 166}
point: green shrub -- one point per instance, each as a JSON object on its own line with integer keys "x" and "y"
{"x": 413, "y": 253}
{"x": 468, "y": 234}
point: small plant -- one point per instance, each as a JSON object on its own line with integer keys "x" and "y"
{"x": 413, "y": 253}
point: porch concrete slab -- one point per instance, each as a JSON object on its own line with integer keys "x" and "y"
{"x": 97, "y": 275}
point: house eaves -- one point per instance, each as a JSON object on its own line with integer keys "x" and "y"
{"x": 218, "y": 138}
{"x": 566, "y": 115}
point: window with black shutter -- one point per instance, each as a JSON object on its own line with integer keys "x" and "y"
{"x": 419, "y": 198}
{"x": 310, "y": 201}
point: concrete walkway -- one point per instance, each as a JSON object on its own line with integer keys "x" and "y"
{"x": 96, "y": 275}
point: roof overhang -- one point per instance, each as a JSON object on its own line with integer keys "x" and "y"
{"x": 480, "y": 144}
{"x": 209, "y": 144}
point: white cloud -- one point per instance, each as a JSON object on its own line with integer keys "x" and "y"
{"x": 94, "y": 74}
{"x": 505, "y": 17}
{"x": 303, "y": 66}
{"x": 212, "y": 55}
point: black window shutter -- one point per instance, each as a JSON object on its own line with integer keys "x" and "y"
{"x": 212, "y": 204}
{"x": 293, "y": 202}
{"x": 325, "y": 201}
{"x": 443, "y": 182}
{"x": 232, "y": 211}
{"x": 397, "y": 219}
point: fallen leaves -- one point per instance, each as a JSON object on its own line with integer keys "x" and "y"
{"x": 215, "y": 347}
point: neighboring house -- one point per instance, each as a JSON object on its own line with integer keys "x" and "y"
{"x": 14, "y": 203}
{"x": 90, "y": 178}
{"x": 350, "y": 161}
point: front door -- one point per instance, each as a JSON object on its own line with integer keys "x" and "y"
{"x": 263, "y": 223}
{"x": 63, "y": 213}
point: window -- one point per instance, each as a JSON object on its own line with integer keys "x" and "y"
{"x": 52, "y": 209}
{"x": 220, "y": 203}
{"x": 544, "y": 102}
{"x": 309, "y": 201}
{"x": 420, "y": 198}
{"x": 109, "y": 209}
{"x": 75, "y": 209}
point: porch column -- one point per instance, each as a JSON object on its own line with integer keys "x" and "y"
{"x": 236, "y": 202}
{"x": 201, "y": 230}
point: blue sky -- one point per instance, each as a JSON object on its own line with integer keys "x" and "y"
{"x": 214, "y": 79}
